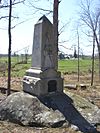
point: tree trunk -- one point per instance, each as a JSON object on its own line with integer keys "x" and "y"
{"x": 98, "y": 46}
{"x": 9, "y": 49}
{"x": 55, "y": 25}
{"x": 92, "y": 76}
{"x": 78, "y": 58}
{"x": 99, "y": 65}
{"x": 99, "y": 50}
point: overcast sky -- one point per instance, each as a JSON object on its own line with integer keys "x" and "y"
{"x": 22, "y": 34}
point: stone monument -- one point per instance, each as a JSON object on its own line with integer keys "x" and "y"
{"x": 43, "y": 78}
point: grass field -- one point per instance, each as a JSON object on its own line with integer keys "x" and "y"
{"x": 71, "y": 66}
{"x": 65, "y": 66}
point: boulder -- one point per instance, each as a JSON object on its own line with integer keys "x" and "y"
{"x": 25, "y": 109}
{"x": 53, "y": 110}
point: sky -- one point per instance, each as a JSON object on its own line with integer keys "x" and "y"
{"x": 22, "y": 34}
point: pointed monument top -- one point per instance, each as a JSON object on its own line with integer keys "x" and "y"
{"x": 44, "y": 18}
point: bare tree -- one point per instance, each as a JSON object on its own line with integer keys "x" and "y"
{"x": 9, "y": 50}
{"x": 99, "y": 49}
{"x": 55, "y": 24}
{"x": 5, "y": 5}
{"x": 92, "y": 76}
{"x": 9, "y": 5}
{"x": 78, "y": 55}
{"x": 36, "y": 9}
{"x": 90, "y": 17}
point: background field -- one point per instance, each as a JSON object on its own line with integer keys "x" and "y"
{"x": 68, "y": 68}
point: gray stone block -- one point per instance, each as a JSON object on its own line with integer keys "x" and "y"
{"x": 43, "y": 78}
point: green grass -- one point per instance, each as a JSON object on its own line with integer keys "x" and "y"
{"x": 18, "y": 68}
{"x": 70, "y": 66}
{"x": 65, "y": 66}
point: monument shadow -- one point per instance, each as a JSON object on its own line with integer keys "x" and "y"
{"x": 63, "y": 103}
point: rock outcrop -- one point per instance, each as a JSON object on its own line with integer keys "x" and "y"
{"x": 53, "y": 110}
{"x": 25, "y": 109}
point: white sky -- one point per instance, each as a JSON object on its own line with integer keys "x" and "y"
{"x": 22, "y": 35}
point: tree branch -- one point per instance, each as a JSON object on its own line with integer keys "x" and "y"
{"x": 42, "y": 9}
{"x": 6, "y": 6}
{"x": 7, "y": 17}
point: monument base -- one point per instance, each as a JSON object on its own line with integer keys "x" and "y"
{"x": 37, "y": 82}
